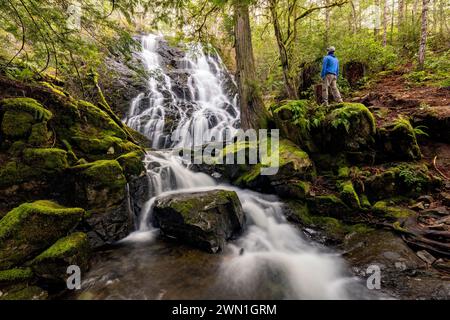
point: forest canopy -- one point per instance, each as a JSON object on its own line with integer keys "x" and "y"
{"x": 70, "y": 38}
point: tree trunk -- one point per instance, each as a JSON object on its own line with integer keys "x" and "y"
{"x": 385, "y": 23}
{"x": 423, "y": 33}
{"x": 327, "y": 24}
{"x": 401, "y": 6}
{"x": 253, "y": 113}
{"x": 289, "y": 87}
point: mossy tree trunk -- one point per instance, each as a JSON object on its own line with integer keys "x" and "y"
{"x": 253, "y": 113}
{"x": 423, "y": 33}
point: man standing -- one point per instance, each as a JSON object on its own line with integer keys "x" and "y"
{"x": 330, "y": 73}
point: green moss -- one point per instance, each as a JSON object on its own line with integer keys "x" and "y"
{"x": 17, "y": 148}
{"x": 343, "y": 172}
{"x": 14, "y": 172}
{"x": 103, "y": 172}
{"x": 132, "y": 163}
{"x": 39, "y": 134}
{"x": 46, "y": 159}
{"x": 93, "y": 146}
{"x": 64, "y": 247}
{"x": 328, "y": 205}
{"x": 100, "y": 119}
{"x": 32, "y": 227}
{"x": 17, "y": 124}
{"x": 27, "y": 105}
{"x": 347, "y": 113}
{"x": 332, "y": 226}
{"x": 54, "y": 88}
{"x": 15, "y": 275}
{"x": 349, "y": 195}
{"x": 382, "y": 207}
{"x": 365, "y": 203}
{"x": 25, "y": 293}
{"x": 399, "y": 141}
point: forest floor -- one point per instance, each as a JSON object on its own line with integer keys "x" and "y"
{"x": 391, "y": 95}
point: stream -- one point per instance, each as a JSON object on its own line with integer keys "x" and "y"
{"x": 271, "y": 260}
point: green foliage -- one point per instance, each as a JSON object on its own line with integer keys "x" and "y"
{"x": 346, "y": 113}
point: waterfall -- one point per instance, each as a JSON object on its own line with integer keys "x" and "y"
{"x": 270, "y": 250}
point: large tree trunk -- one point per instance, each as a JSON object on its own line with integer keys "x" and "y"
{"x": 423, "y": 33}
{"x": 253, "y": 113}
{"x": 385, "y": 10}
{"x": 284, "y": 59}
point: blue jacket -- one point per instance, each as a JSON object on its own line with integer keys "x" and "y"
{"x": 330, "y": 65}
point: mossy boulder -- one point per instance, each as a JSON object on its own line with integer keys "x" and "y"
{"x": 39, "y": 134}
{"x": 26, "y": 105}
{"x": 17, "y": 275}
{"x": 19, "y": 115}
{"x": 32, "y": 227}
{"x": 391, "y": 211}
{"x": 328, "y": 205}
{"x": 99, "y": 184}
{"x": 46, "y": 159}
{"x": 349, "y": 195}
{"x": 101, "y": 188}
{"x": 397, "y": 141}
{"x": 405, "y": 179}
{"x": 25, "y": 292}
{"x": 51, "y": 265}
{"x": 132, "y": 163}
{"x": 203, "y": 219}
{"x": 349, "y": 128}
{"x": 289, "y": 165}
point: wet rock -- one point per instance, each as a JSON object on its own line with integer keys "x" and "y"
{"x": 32, "y": 227}
{"x": 101, "y": 187}
{"x": 203, "y": 219}
{"x": 403, "y": 274}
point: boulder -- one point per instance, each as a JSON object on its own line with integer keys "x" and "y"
{"x": 101, "y": 188}
{"x": 51, "y": 265}
{"x": 33, "y": 227}
{"x": 349, "y": 127}
{"x": 203, "y": 219}
{"x": 435, "y": 120}
{"x": 404, "y": 179}
{"x": 397, "y": 141}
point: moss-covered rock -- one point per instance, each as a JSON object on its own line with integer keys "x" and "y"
{"x": 397, "y": 141}
{"x": 132, "y": 163}
{"x": 12, "y": 276}
{"x": 25, "y": 292}
{"x": 405, "y": 179}
{"x": 99, "y": 184}
{"x": 350, "y": 127}
{"x": 203, "y": 219}
{"x": 32, "y": 227}
{"x": 391, "y": 211}
{"x": 52, "y": 264}
{"x": 39, "y": 134}
{"x": 328, "y": 205}
{"x": 17, "y": 124}
{"x": 46, "y": 159}
{"x": 26, "y": 105}
{"x": 349, "y": 195}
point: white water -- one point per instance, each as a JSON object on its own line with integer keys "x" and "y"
{"x": 274, "y": 252}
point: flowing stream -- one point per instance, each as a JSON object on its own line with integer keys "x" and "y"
{"x": 271, "y": 260}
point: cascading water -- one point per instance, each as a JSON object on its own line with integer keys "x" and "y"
{"x": 272, "y": 256}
